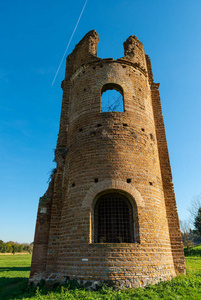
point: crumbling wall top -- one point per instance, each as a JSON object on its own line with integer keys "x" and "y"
{"x": 84, "y": 51}
{"x": 134, "y": 51}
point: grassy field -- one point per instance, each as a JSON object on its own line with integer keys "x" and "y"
{"x": 14, "y": 272}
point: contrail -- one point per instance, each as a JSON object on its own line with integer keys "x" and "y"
{"x": 69, "y": 41}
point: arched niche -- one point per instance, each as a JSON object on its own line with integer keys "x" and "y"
{"x": 114, "y": 186}
{"x": 113, "y": 219}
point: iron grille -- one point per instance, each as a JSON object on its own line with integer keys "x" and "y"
{"x": 113, "y": 219}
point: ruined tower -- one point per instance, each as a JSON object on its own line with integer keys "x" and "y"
{"x": 109, "y": 214}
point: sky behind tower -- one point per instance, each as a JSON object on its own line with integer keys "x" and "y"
{"x": 34, "y": 35}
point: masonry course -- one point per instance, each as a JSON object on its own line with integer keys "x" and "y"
{"x": 100, "y": 153}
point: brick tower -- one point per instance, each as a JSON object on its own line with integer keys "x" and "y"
{"x": 109, "y": 214}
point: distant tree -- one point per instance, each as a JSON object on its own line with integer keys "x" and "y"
{"x": 9, "y": 248}
{"x": 4, "y": 248}
{"x": 187, "y": 238}
{"x": 194, "y": 207}
{"x": 1, "y": 246}
{"x": 19, "y": 248}
{"x": 30, "y": 248}
{"x": 197, "y": 222}
{"x": 25, "y": 247}
{"x": 195, "y": 212}
{"x": 14, "y": 249}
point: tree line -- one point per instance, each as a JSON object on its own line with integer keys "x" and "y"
{"x": 12, "y": 247}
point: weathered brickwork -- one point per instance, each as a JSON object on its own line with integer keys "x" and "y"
{"x": 99, "y": 153}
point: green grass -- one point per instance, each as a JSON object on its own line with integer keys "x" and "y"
{"x": 14, "y": 272}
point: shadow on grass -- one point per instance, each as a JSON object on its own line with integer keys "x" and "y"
{"x": 20, "y": 269}
{"x": 12, "y": 288}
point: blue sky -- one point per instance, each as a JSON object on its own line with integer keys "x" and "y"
{"x": 34, "y": 35}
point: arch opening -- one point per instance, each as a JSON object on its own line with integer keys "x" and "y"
{"x": 114, "y": 219}
{"x": 112, "y": 98}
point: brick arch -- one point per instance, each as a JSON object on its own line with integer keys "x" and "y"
{"x": 125, "y": 86}
{"x": 112, "y": 86}
{"x": 111, "y": 184}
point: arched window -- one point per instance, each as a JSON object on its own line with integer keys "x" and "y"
{"x": 113, "y": 219}
{"x": 112, "y": 98}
